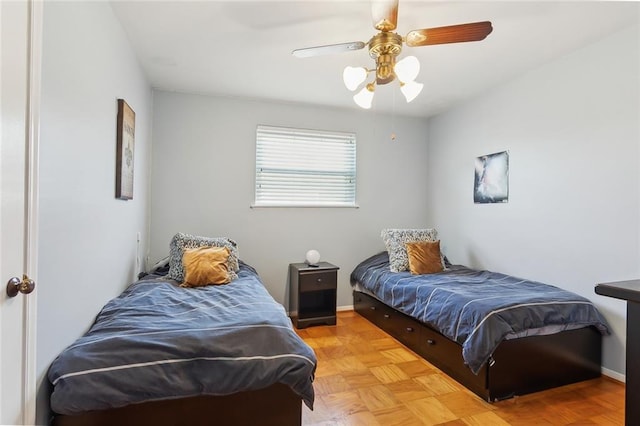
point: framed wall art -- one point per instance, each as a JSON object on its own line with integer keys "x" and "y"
{"x": 126, "y": 132}
{"x": 491, "y": 183}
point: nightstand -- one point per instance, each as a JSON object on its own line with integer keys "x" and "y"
{"x": 312, "y": 294}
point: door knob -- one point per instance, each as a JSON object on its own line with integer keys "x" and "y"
{"x": 17, "y": 285}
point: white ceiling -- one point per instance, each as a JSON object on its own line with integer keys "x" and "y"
{"x": 243, "y": 49}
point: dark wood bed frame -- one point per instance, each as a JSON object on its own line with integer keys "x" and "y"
{"x": 517, "y": 367}
{"x": 276, "y": 405}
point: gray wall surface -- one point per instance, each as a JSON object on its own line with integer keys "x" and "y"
{"x": 203, "y": 184}
{"x": 572, "y": 129}
{"x": 88, "y": 239}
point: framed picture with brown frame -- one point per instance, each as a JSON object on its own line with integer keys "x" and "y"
{"x": 126, "y": 131}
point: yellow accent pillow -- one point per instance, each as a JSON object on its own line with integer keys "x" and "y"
{"x": 205, "y": 265}
{"x": 424, "y": 257}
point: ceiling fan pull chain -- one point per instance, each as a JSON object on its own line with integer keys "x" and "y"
{"x": 393, "y": 117}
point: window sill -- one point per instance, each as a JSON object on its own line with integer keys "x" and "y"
{"x": 305, "y": 206}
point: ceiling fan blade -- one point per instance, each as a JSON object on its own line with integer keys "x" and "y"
{"x": 475, "y": 31}
{"x": 308, "y": 52}
{"x": 384, "y": 14}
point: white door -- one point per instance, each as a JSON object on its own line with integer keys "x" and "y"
{"x": 20, "y": 28}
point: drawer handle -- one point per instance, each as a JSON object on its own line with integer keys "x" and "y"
{"x": 410, "y": 329}
{"x": 373, "y": 308}
{"x": 319, "y": 280}
{"x": 431, "y": 341}
{"x": 387, "y": 316}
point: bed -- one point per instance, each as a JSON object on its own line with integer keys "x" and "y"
{"x": 165, "y": 355}
{"x": 498, "y": 335}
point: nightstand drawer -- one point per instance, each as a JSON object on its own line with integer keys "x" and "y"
{"x": 318, "y": 281}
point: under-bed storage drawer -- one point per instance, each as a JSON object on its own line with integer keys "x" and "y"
{"x": 368, "y": 307}
{"x": 447, "y": 356}
{"x": 400, "y": 326}
{"x": 445, "y": 353}
{"x": 375, "y": 311}
{"x": 518, "y": 366}
{"x": 428, "y": 343}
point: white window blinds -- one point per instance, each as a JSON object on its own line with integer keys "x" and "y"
{"x": 297, "y": 167}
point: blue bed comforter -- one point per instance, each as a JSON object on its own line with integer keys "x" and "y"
{"x": 477, "y": 309}
{"x": 160, "y": 341}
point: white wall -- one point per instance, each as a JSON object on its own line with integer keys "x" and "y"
{"x": 572, "y": 128}
{"x": 88, "y": 241}
{"x": 203, "y": 183}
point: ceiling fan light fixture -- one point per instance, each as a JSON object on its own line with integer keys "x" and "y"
{"x": 354, "y": 77}
{"x": 411, "y": 90}
{"x": 407, "y": 69}
{"x": 386, "y": 46}
{"x": 364, "y": 98}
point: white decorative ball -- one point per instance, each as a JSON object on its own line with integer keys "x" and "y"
{"x": 313, "y": 257}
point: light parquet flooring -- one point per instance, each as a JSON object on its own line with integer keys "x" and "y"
{"x": 365, "y": 377}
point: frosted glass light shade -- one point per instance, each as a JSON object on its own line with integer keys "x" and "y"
{"x": 407, "y": 69}
{"x": 354, "y": 77}
{"x": 312, "y": 257}
{"x": 364, "y": 98}
{"x": 411, "y": 90}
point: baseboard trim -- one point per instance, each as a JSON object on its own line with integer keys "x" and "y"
{"x": 338, "y": 309}
{"x": 614, "y": 375}
{"x": 344, "y": 308}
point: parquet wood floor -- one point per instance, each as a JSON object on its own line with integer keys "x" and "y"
{"x": 365, "y": 377}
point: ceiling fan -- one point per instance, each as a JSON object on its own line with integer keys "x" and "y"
{"x": 386, "y": 45}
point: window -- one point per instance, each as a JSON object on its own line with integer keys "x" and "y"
{"x": 297, "y": 167}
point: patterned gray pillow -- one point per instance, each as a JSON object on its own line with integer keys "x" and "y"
{"x": 396, "y": 239}
{"x": 181, "y": 241}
